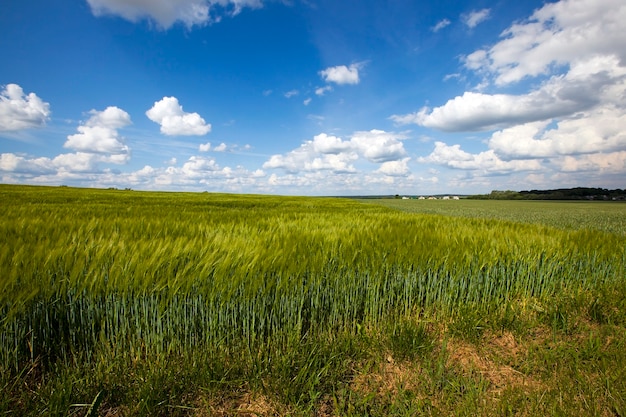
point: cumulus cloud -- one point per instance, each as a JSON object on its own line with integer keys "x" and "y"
{"x": 603, "y": 163}
{"x": 476, "y": 17}
{"x": 577, "y": 80}
{"x": 97, "y": 142}
{"x": 378, "y": 146}
{"x": 322, "y": 153}
{"x": 397, "y": 168}
{"x": 581, "y": 89}
{"x": 99, "y": 134}
{"x": 196, "y": 174}
{"x": 53, "y": 170}
{"x": 595, "y": 145}
{"x": 454, "y": 157}
{"x": 327, "y": 144}
{"x": 327, "y": 152}
{"x": 341, "y": 74}
{"x": 198, "y": 166}
{"x": 22, "y": 165}
{"x": 111, "y": 117}
{"x": 477, "y": 111}
{"x": 564, "y": 33}
{"x": 602, "y": 131}
{"x": 86, "y": 162}
{"x": 221, "y": 147}
{"x": 167, "y": 12}
{"x": 174, "y": 121}
{"x": 569, "y": 124}
{"x": 20, "y": 111}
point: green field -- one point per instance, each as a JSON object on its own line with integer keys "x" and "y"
{"x": 136, "y": 303}
{"x": 597, "y": 215}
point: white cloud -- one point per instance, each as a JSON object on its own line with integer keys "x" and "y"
{"x": 111, "y": 117}
{"x": 307, "y": 101}
{"x": 379, "y": 146}
{"x": 569, "y": 124}
{"x": 601, "y": 131}
{"x": 21, "y": 165}
{"x": 19, "y": 111}
{"x": 291, "y": 93}
{"x": 197, "y": 166}
{"x": 476, "y": 17}
{"x": 449, "y": 77}
{"x": 167, "y": 12}
{"x": 341, "y": 75}
{"x": 330, "y": 183}
{"x": 327, "y": 152}
{"x": 85, "y": 162}
{"x": 599, "y": 80}
{"x": 308, "y": 158}
{"x": 440, "y": 25}
{"x": 96, "y": 139}
{"x": 326, "y": 144}
{"x": 477, "y": 111}
{"x": 196, "y": 174}
{"x": 397, "y": 168}
{"x": 174, "y": 121}
{"x": 565, "y": 33}
{"x": 572, "y": 152}
{"x": 53, "y": 170}
{"x": 611, "y": 163}
{"x": 221, "y": 147}
{"x": 99, "y": 134}
{"x": 454, "y": 157}
{"x": 323, "y": 90}
{"x": 323, "y": 165}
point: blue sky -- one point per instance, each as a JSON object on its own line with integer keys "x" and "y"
{"x": 314, "y": 97}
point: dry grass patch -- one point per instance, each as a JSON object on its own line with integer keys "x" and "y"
{"x": 246, "y": 404}
{"x": 492, "y": 361}
{"x": 389, "y": 378}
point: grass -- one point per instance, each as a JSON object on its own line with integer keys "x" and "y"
{"x": 605, "y": 216}
{"x": 138, "y": 303}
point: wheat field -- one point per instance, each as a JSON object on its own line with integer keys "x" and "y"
{"x": 90, "y": 275}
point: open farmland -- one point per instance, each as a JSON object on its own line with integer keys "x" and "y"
{"x": 606, "y": 216}
{"x": 137, "y": 303}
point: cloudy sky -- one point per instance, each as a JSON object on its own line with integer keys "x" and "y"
{"x": 314, "y": 97}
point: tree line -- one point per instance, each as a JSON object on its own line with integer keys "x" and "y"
{"x": 577, "y": 193}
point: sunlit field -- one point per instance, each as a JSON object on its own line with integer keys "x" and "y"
{"x": 607, "y": 216}
{"x": 138, "y": 303}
